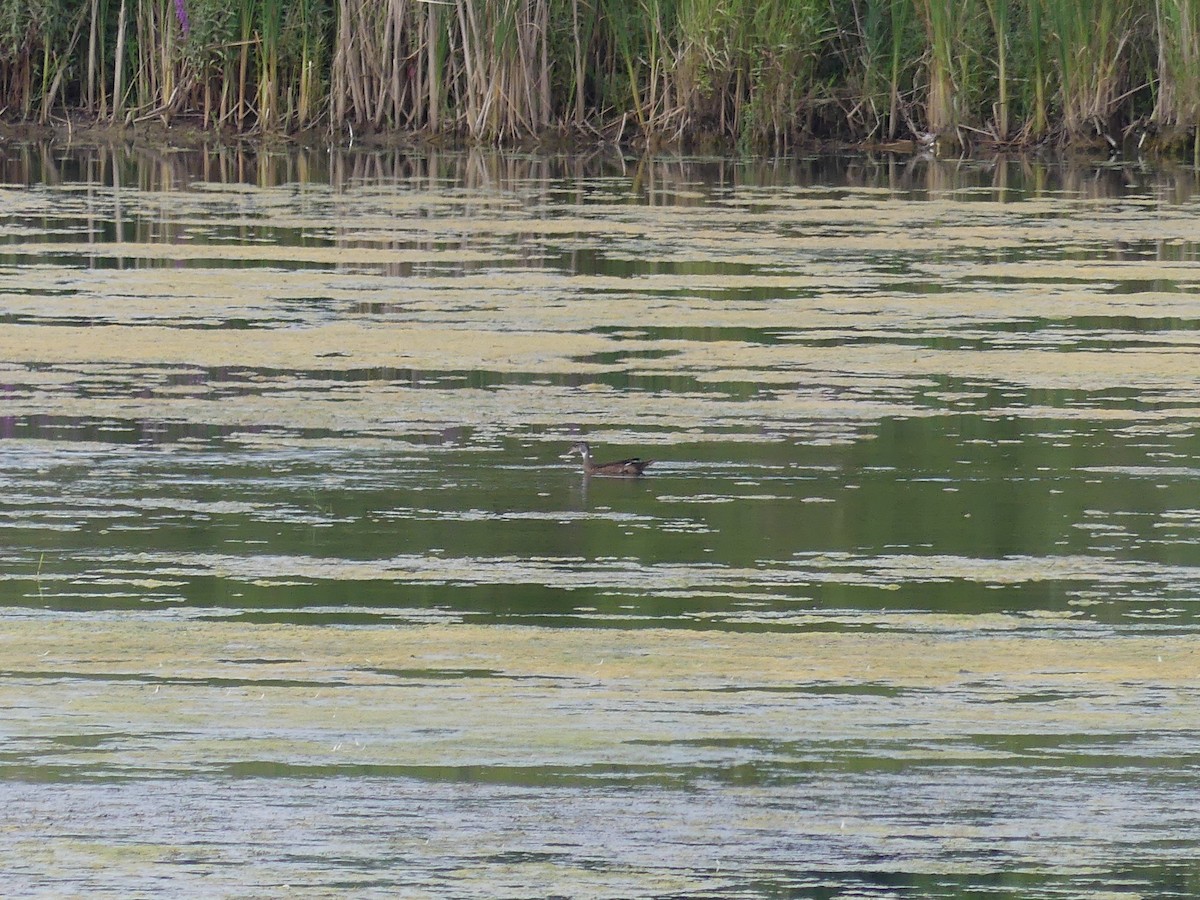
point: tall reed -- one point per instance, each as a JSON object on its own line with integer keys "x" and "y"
{"x": 1039, "y": 123}
{"x": 901, "y": 23}
{"x": 746, "y": 68}
{"x": 1177, "y": 25}
{"x": 939, "y": 19}
{"x": 1000, "y": 15}
{"x": 636, "y": 56}
{"x": 506, "y": 74}
{"x": 753, "y": 73}
{"x": 1092, "y": 40}
{"x": 962, "y": 65}
{"x": 864, "y": 38}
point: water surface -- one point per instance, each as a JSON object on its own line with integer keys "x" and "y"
{"x": 299, "y": 594}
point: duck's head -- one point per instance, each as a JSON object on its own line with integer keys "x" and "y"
{"x": 582, "y": 448}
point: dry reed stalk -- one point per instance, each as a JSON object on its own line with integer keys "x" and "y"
{"x": 938, "y": 19}
{"x": 433, "y": 70}
{"x": 119, "y": 65}
{"x": 577, "y": 60}
{"x": 93, "y": 47}
{"x": 144, "y": 63}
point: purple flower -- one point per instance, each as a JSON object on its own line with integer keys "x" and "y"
{"x": 182, "y": 16}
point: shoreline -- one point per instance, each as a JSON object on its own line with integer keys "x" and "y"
{"x": 189, "y": 132}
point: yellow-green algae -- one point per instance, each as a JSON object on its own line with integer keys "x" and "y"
{"x": 203, "y": 695}
{"x": 775, "y": 316}
{"x": 526, "y": 317}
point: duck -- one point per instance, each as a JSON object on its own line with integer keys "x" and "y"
{"x": 632, "y": 467}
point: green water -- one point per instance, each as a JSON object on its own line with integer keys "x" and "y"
{"x": 884, "y": 398}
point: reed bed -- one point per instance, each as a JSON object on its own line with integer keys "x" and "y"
{"x": 756, "y": 74}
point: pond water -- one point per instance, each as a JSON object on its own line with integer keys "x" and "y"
{"x": 300, "y": 596}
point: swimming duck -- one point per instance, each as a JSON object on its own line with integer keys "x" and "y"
{"x": 634, "y": 466}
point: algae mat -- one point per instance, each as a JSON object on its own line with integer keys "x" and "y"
{"x": 299, "y": 598}
{"x": 489, "y": 761}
